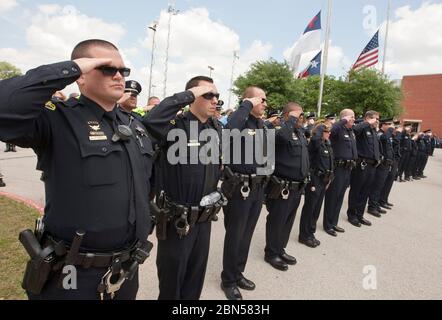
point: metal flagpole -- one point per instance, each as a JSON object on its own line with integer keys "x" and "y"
{"x": 154, "y": 29}
{"x": 235, "y": 57}
{"x": 325, "y": 57}
{"x": 386, "y": 35}
{"x": 172, "y": 11}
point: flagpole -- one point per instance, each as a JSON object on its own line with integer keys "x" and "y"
{"x": 386, "y": 36}
{"x": 325, "y": 57}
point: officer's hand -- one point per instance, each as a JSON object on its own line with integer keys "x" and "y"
{"x": 126, "y": 96}
{"x": 372, "y": 121}
{"x": 348, "y": 118}
{"x": 295, "y": 113}
{"x": 88, "y": 64}
{"x": 201, "y": 90}
{"x": 255, "y": 101}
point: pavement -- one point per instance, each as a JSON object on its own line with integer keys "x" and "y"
{"x": 399, "y": 257}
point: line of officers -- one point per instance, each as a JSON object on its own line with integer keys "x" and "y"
{"x": 97, "y": 161}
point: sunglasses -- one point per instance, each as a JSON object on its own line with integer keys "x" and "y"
{"x": 210, "y": 96}
{"x": 112, "y": 71}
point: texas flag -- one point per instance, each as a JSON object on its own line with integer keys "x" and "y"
{"x": 313, "y": 68}
{"x": 309, "y": 41}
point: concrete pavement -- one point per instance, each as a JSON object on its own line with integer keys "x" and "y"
{"x": 402, "y": 250}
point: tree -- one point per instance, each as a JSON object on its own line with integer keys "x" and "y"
{"x": 273, "y": 77}
{"x": 7, "y": 70}
{"x": 371, "y": 90}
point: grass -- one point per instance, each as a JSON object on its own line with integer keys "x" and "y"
{"x": 15, "y": 217}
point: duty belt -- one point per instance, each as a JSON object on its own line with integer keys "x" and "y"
{"x": 282, "y": 187}
{"x": 185, "y": 217}
{"x": 365, "y": 162}
{"x": 247, "y": 182}
{"x": 345, "y": 163}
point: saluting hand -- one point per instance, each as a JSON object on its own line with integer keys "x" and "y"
{"x": 295, "y": 113}
{"x": 88, "y": 64}
{"x": 200, "y": 90}
{"x": 126, "y": 96}
{"x": 255, "y": 101}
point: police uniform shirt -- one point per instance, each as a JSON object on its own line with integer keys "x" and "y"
{"x": 184, "y": 183}
{"x": 386, "y": 140}
{"x": 367, "y": 142}
{"x": 241, "y": 119}
{"x": 405, "y": 142}
{"x": 89, "y": 180}
{"x": 320, "y": 152}
{"x": 343, "y": 141}
{"x": 291, "y": 153}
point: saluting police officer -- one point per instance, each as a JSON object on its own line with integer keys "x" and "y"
{"x": 321, "y": 174}
{"x": 362, "y": 176}
{"x": 245, "y": 191}
{"x": 406, "y": 146}
{"x": 385, "y": 135}
{"x": 128, "y": 102}
{"x": 386, "y": 190}
{"x": 183, "y": 222}
{"x": 311, "y": 118}
{"x": 343, "y": 141}
{"x": 96, "y": 216}
{"x": 286, "y": 186}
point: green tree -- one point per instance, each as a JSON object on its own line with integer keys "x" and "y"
{"x": 273, "y": 77}
{"x": 7, "y": 70}
{"x": 371, "y": 90}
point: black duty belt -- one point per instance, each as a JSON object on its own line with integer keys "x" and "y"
{"x": 345, "y": 163}
{"x": 247, "y": 182}
{"x": 322, "y": 174}
{"x": 371, "y": 162}
{"x": 90, "y": 259}
{"x": 387, "y": 162}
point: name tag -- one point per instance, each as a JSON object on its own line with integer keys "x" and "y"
{"x": 368, "y": 133}
{"x": 97, "y": 138}
{"x": 346, "y": 136}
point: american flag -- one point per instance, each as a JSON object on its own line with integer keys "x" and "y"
{"x": 370, "y": 55}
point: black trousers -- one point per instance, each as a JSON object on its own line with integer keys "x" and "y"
{"x": 87, "y": 284}
{"x": 386, "y": 190}
{"x": 182, "y": 262}
{"x": 334, "y": 197}
{"x": 240, "y": 218}
{"x": 312, "y": 207}
{"x": 280, "y": 221}
{"x": 360, "y": 184}
{"x": 411, "y": 167}
{"x": 379, "y": 182}
{"x": 423, "y": 160}
{"x": 404, "y": 163}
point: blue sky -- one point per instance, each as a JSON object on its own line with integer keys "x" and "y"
{"x": 276, "y": 25}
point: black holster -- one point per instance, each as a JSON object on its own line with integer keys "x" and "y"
{"x": 42, "y": 263}
{"x": 275, "y": 188}
{"x": 161, "y": 219}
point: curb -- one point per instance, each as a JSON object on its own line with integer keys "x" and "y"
{"x": 25, "y": 201}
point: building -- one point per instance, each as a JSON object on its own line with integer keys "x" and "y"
{"x": 422, "y": 102}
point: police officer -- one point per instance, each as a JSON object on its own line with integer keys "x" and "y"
{"x": 385, "y": 193}
{"x": 128, "y": 102}
{"x": 411, "y": 170}
{"x": 310, "y": 123}
{"x": 343, "y": 142}
{"x": 286, "y": 186}
{"x": 330, "y": 119}
{"x": 10, "y": 147}
{"x": 422, "y": 155}
{"x": 363, "y": 175}
{"x": 244, "y": 186}
{"x": 385, "y": 135}
{"x": 96, "y": 216}
{"x": 405, "y": 144}
{"x": 183, "y": 223}
{"x": 2, "y": 183}
{"x": 321, "y": 174}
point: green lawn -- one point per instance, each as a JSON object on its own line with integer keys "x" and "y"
{"x": 15, "y": 217}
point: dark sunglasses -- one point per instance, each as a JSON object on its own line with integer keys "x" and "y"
{"x": 112, "y": 71}
{"x": 210, "y": 96}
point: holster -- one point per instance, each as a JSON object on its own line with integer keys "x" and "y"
{"x": 275, "y": 188}
{"x": 161, "y": 218}
{"x": 230, "y": 183}
{"x": 41, "y": 264}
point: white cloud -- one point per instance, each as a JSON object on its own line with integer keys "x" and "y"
{"x": 197, "y": 42}
{"x": 415, "y": 41}
{"x": 6, "y": 5}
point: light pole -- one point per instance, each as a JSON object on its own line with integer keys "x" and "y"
{"x": 153, "y": 89}
{"x": 154, "y": 29}
{"x": 210, "y": 70}
{"x": 235, "y": 57}
{"x": 172, "y": 12}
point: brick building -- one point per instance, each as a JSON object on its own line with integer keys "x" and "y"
{"x": 423, "y": 102}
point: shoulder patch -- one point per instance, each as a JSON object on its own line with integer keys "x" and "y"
{"x": 50, "y": 106}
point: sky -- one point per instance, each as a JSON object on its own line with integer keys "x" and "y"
{"x": 206, "y": 33}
